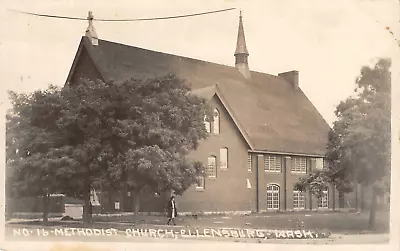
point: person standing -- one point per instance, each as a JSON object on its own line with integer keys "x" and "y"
{"x": 171, "y": 210}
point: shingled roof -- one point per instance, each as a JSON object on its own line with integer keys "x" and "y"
{"x": 275, "y": 116}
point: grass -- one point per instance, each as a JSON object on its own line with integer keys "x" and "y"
{"x": 334, "y": 222}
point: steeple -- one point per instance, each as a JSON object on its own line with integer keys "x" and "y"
{"x": 241, "y": 53}
{"x": 91, "y": 31}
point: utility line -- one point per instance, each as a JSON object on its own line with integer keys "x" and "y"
{"x": 125, "y": 20}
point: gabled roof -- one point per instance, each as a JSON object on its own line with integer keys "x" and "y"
{"x": 210, "y": 92}
{"x": 275, "y": 116}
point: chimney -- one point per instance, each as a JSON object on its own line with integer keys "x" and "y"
{"x": 91, "y": 31}
{"x": 292, "y": 77}
{"x": 241, "y": 53}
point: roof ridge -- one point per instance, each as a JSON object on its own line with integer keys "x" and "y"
{"x": 184, "y": 57}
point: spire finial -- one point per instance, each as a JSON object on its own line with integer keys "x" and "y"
{"x": 90, "y": 15}
{"x": 91, "y": 31}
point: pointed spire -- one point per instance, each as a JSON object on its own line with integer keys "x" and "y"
{"x": 241, "y": 53}
{"x": 241, "y": 41}
{"x": 91, "y": 31}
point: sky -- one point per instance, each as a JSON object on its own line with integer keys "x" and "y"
{"x": 327, "y": 41}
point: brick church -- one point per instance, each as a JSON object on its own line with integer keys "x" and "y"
{"x": 266, "y": 133}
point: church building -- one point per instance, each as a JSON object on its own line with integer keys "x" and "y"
{"x": 265, "y": 135}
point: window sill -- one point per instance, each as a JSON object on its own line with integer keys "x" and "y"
{"x": 267, "y": 171}
{"x": 299, "y": 209}
{"x": 212, "y": 178}
{"x": 200, "y": 189}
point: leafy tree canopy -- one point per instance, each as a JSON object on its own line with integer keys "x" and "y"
{"x": 134, "y": 133}
{"x": 359, "y": 143}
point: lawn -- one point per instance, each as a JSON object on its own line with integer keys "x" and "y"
{"x": 334, "y": 222}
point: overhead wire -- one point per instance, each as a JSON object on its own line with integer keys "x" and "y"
{"x": 125, "y": 20}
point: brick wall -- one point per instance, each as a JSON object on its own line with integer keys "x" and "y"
{"x": 286, "y": 180}
{"x": 228, "y": 191}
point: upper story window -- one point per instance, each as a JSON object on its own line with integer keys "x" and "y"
{"x": 249, "y": 163}
{"x": 207, "y": 124}
{"x": 223, "y": 158}
{"x": 272, "y": 163}
{"x": 319, "y": 163}
{"x": 216, "y": 121}
{"x": 299, "y": 165}
{"x": 212, "y": 167}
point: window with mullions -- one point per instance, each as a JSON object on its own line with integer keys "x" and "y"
{"x": 212, "y": 167}
{"x": 323, "y": 201}
{"x": 272, "y": 163}
{"x": 249, "y": 163}
{"x": 298, "y": 200}
{"x": 273, "y": 197}
{"x": 299, "y": 165}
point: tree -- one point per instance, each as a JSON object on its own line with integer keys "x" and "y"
{"x": 359, "y": 143}
{"x": 143, "y": 131}
{"x": 131, "y": 134}
{"x": 166, "y": 122}
{"x": 34, "y": 159}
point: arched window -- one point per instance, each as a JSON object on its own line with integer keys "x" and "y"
{"x": 223, "y": 158}
{"x": 273, "y": 197}
{"x": 298, "y": 200}
{"x": 212, "y": 167}
{"x": 207, "y": 124}
{"x": 216, "y": 121}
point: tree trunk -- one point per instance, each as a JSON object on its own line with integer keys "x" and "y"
{"x": 362, "y": 199}
{"x": 373, "y": 209}
{"x": 110, "y": 201}
{"x": 46, "y": 206}
{"x": 356, "y": 193}
{"x": 136, "y": 201}
{"x": 122, "y": 194}
{"x": 86, "y": 201}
